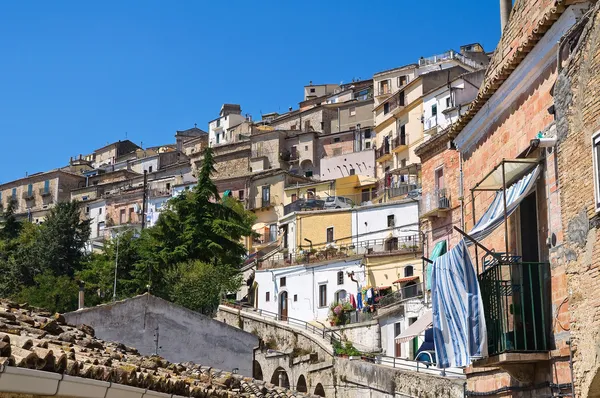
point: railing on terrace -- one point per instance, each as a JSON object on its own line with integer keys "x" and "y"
{"x": 332, "y": 251}
{"x": 400, "y": 140}
{"x": 401, "y": 295}
{"x": 436, "y": 200}
{"x": 159, "y": 193}
{"x": 447, "y": 56}
{"x": 430, "y": 123}
{"x": 383, "y": 150}
{"x": 516, "y": 299}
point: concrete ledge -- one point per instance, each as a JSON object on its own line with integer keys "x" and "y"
{"x": 510, "y": 358}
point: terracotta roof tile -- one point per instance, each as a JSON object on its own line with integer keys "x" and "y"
{"x": 35, "y": 339}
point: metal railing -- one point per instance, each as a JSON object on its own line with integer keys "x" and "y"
{"x": 400, "y": 140}
{"x": 430, "y": 123}
{"x": 319, "y": 330}
{"x": 416, "y": 366}
{"x": 436, "y": 200}
{"x": 265, "y": 238}
{"x": 27, "y": 195}
{"x": 383, "y": 150}
{"x": 402, "y": 294}
{"x": 516, "y": 299}
{"x": 332, "y": 251}
{"x": 447, "y": 56}
{"x": 158, "y": 193}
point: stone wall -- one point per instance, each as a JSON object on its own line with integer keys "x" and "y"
{"x": 183, "y": 335}
{"x": 578, "y": 118}
{"x": 316, "y": 119}
{"x": 365, "y": 336}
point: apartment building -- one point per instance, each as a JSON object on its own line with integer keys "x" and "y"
{"x": 219, "y": 129}
{"x": 313, "y": 91}
{"x": 36, "y": 194}
{"x": 191, "y": 141}
{"x": 108, "y": 154}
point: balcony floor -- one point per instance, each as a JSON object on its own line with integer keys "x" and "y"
{"x": 383, "y": 158}
{"x": 399, "y": 148}
{"x": 511, "y": 358}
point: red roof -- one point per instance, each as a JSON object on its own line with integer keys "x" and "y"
{"x": 407, "y": 279}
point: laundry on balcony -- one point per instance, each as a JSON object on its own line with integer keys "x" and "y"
{"x": 459, "y": 328}
{"x": 438, "y": 250}
{"x": 518, "y": 178}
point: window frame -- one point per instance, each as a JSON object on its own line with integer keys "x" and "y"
{"x": 352, "y": 111}
{"x": 322, "y": 295}
{"x": 282, "y": 281}
{"x": 392, "y": 218}
{"x": 267, "y": 297}
{"x": 340, "y": 281}
{"x": 596, "y": 163}
{"x": 332, "y": 229}
{"x": 409, "y": 271}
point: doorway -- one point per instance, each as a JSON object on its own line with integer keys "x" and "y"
{"x": 397, "y": 344}
{"x": 283, "y": 306}
{"x": 414, "y": 343}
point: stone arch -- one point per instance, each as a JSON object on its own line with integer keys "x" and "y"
{"x": 319, "y": 390}
{"x": 594, "y": 388}
{"x": 301, "y": 384}
{"x": 285, "y": 380}
{"x": 257, "y": 370}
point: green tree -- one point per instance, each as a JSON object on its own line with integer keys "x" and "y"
{"x": 54, "y": 293}
{"x": 199, "y": 286}
{"x": 10, "y": 226}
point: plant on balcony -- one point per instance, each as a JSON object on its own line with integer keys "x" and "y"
{"x": 338, "y": 313}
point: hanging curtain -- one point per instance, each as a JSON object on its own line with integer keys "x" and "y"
{"x": 494, "y": 215}
{"x": 438, "y": 250}
{"x": 459, "y": 331}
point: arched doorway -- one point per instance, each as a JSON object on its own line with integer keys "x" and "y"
{"x": 283, "y": 306}
{"x": 319, "y": 390}
{"x": 280, "y": 378}
{"x": 301, "y": 384}
{"x": 340, "y": 295}
{"x": 257, "y": 370}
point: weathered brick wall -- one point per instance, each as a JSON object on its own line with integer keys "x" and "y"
{"x": 329, "y": 146}
{"x": 578, "y": 118}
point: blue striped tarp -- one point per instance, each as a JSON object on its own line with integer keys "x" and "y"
{"x": 459, "y": 331}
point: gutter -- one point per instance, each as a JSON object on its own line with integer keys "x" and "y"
{"x": 36, "y": 382}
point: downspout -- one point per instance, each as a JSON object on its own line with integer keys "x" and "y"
{"x": 461, "y": 192}
{"x": 338, "y": 109}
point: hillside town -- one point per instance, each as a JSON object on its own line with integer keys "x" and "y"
{"x": 430, "y": 231}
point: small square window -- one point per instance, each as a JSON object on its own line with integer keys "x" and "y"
{"x": 150, "y": 169}
{"x": 306, "y": 147}
{"x": 337, "y": 139}
{"x": 352, "y": 111}
{"x": 268, "y": 296}
{"x": 352, "y": 172}
{"x": 282, "y": 281}
{"x": 367, "y": 145}
{"x": 390, "y": 220}
{"x": 308, "y": 173}
{"x": 295, "y": 297}
{"x": 386, "y": 108}
{"x": 312, "y": 90}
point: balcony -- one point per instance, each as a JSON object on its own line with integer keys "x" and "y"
{"x": 516, "y": 299}
{"x": 28, "y": 195}
{"x": 400, "y": 143}
{"x": 383, "y": 91}
{"x": 435, "y": 204}
{"x": 160, "y": 193}
{"x": 44, "y": 192}
{"x": 383, "y": 154}
{"x": 430, "y": 125}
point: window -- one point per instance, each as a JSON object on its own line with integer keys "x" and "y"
{"x": 439, "y": 178}
{"x": 293, "y": 127}
{"x": 306, "y": 147}
{"x": 340, "y": 277}
{"x": 168, "y": 186}
{"x": 122, "y": 217}
{"x": 218, "y": 125}
{"x": 352, "y": 111}
{"x": 268, "y": 296}
{"x": 401, "y": 99}
{"x": 272, "y": 232}
{"x": 384, "y": 87}
{"x": 390, "y": 220}
{"x": 340, "y": 295}
{"x": 367, "y": 133}
{"x": 322, "y": 125}
{"x": 295, "y": 297}
{"x": 282, "y": 281}
{"x": 218, "y": 137}
{"x": 30, "y": 190}
{"x": 322, "y": 295}
{"x": 294, "y": 197}
{"x": 408, "y": 271}
{"x": 434, "y": 110}
{"x": 402, "y": 80}
{"x": 337, "y": 139}
{"x": 308, "y": 173}
{"x": 448, "y": 104}
{"x": 596, "y": 153}
{"x": 131, "y": 213}
{"x": 0, "y": 198}
{"x": 352, "y": 172}
{"x": 14, "y": 193}
{"x": 330, "y": 235}
{"x": 310, "y": 193}
{"x": 46, "y": 186}
{"x": 87, "y": 210}
{"x": 403, "y": 163}
{"x": 312, "y": 90}
{"x": 386, "y": 108}
{"x": 150, "y": 169}
{"x": 241, "y": 194}
{"x": 367, "y": 145}
{"x": 266, "y": 196}
{"x": 100, "y": 210}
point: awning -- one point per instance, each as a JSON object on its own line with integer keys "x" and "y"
{"x": 259, "y": 226}
{"x": 416, "y": 328}
{"x": 438, "y": 250}
{"x": 364, "y": 181}
{"x": 494, "y": 215}
{"x": 513, "y": 169}
{"x": 407, "y": 279}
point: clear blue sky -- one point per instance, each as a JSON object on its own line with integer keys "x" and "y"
{"x": 75, "y": 75}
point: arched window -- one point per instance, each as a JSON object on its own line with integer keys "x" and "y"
{"x": 340, "y": 295}
{"x": 408, "y": 271}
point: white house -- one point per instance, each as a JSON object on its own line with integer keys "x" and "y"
{"x": 306, "y": 291}
{"x": 219, "y": 128}
{"x": 382, "y": 225}
{"x": 96, "y": 212}
{"x": 396, "y": 320}
{"x": 444, "y": 105}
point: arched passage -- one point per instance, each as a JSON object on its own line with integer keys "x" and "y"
{"x": 319, "y": 390}
{"x": 257, "y": 370}
{"x": 301, "y": 384}
{"x": 280, "y": 378}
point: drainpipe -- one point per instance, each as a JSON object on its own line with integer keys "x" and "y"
{"x": 505, "y": 7}
{"x": 461, "y": 191}
{"x": 338, "y": 109}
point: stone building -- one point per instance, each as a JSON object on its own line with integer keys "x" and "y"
{"x": 502, "y": 142}
{"x": 577, "y": 114}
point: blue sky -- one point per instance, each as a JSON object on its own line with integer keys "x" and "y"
{"x": 75, "y": 75}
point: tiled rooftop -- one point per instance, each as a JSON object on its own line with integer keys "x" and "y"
{"x": 35, "y": 339}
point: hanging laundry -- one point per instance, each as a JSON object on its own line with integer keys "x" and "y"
{"x": 359, "y": 300}
{"x": 352, "y": 301}
{"x": 459, "y": 331}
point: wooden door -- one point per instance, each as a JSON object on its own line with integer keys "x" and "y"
{"x": 397, "y": 345}
{"x": 283, "y": 306}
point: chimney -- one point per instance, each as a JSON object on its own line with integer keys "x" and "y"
{"x": 505, "y": 7}
{"x": 81, "y": 304}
